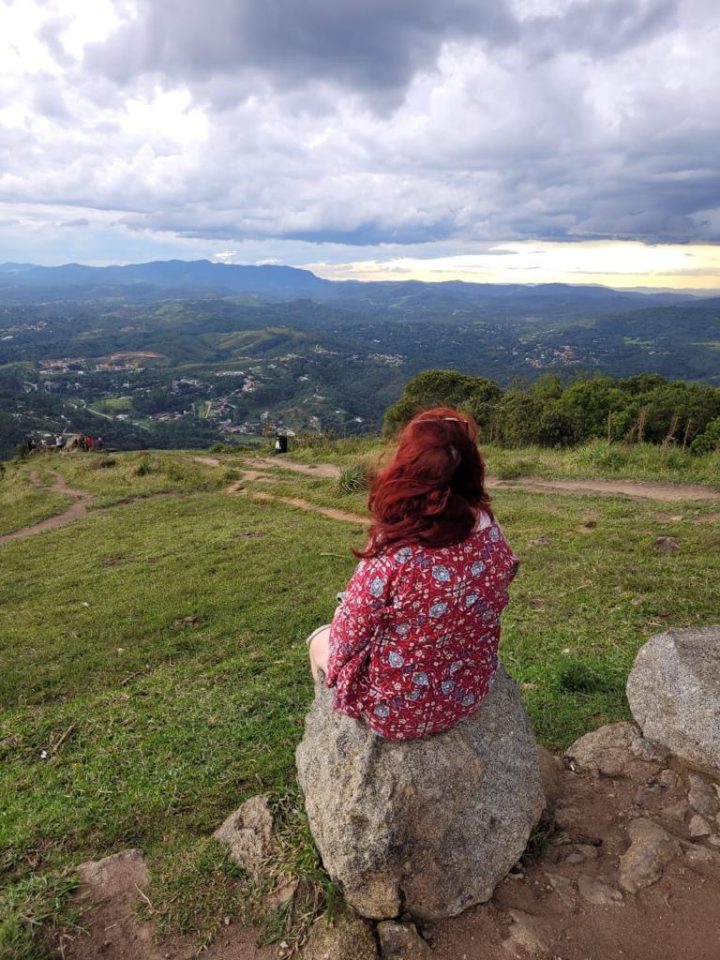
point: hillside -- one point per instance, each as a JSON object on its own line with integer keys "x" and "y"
{"x": 183, "y": 354}
{"x": 157, "y": 676}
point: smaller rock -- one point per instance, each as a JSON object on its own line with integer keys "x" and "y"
{"x": 595, "y": 891}
{"x": 702, "y": 797}
{"x": 574, "y": 857}
{"x": 347, "y": 938}
{"x": 648, "y": 750}
{"x": 562, "y": 886}
{"x": 699, "y": 856}
{"x": 699, "y": 827}
{"x": 648, "y": 793}
{"x": 115, "y": 876}
{"x": 651, "y": 849}
{"x": 666, "y": 544}
{"x": 668, "y": 778}
{"x": 606, "y": 750}
{"x": 550, "y": 777}
{"x": 249, "y": 833}
{"x": 678, "y": 810}
{"x": 401, "y": 941}
{"x": 523, "y": 938}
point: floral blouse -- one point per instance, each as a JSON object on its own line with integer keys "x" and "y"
{"x": 413, "y": 646}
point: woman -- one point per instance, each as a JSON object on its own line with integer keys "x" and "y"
{"x": 413, "y": 646}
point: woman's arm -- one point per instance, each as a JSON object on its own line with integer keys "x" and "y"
{"x": 360, "y": 615}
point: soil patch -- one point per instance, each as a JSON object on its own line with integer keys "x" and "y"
{"x": 110, "y": 893}
{"x": 665, "y": 492}
{"x": 330, "y": 512}
{"x": 539, "y": 911}
{"x": 326, "y": 470}
{"x": 74, "y": 512}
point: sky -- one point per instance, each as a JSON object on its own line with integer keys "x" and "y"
{"x": 489, "y": 140}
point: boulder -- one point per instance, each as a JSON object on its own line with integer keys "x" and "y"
{"x": 674, "y": 694}
{"x": 425, "y": 826}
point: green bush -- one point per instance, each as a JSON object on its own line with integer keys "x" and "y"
{"x": 354, "y": 478}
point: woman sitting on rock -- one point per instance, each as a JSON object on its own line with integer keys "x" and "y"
{"x": 412, "y": 648}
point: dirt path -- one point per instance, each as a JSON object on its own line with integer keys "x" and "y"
{"x": 75, "y": 511}
{"x": 325, "y": 470}
{"x": 306, "y": 505}
{"x": 664, "y": 492}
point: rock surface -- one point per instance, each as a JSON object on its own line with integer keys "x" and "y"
{"x": 346, "y": 938}
{"x": 401, "y": 941}
{"x": 674, "y": 694}
{"x": 609, "y": 749}
{"x": 114, "y": 876}
{"x": 248, "y": 832}
{"x": 426, "y": 826}
{"x": 651, "y": 849}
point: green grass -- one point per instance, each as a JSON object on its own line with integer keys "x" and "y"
{"x": 21, "y": 504}
{"x": 594, "y": 459}
{"x": 155, "y": 651}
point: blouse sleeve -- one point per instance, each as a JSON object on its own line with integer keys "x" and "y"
{"x": 360, "y": 615}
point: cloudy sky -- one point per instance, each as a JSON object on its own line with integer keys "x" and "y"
{"x": 501, "y": 140}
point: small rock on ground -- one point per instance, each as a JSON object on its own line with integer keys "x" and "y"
{"x": 595, "y": 891}
{"x": 401, "y": 941}
{"x": 702, "y": 796}
{"x": 346, "y": 938}
{"x": 651, "y": 849}
{"x": 249, "y": 833}
{"x": 114, "y": 876}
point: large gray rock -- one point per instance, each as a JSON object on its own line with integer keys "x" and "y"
{"x": 426, "y": 826}
{"x": 674, "y": 694}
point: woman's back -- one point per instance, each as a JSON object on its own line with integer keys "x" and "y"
{"x": 433, "y": 616}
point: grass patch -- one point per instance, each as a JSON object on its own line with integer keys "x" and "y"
{"x": 153, "y": 667}
{"x": 22, "y": 504}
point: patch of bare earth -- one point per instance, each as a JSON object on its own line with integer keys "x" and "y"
{"x": 569, "y": 905}
{"x": 75, "y": 511}
{"x": 664, "y": 492}
{"x": 111, "y": 891}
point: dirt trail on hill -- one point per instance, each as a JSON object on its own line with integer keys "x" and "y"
{"x": 74, "y": 512}
{"x": 664, "y": 492}
{"x": 331, "y": 512}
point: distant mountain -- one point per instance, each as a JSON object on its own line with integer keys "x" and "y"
{"x": 182, "y": 279}
{"x": 179, "y": 277}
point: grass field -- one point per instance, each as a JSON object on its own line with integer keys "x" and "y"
{"x": 153, "y": 675}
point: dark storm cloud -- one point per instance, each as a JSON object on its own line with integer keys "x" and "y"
{"x": 368, "y": 122}
{"x": 361, "y": 44}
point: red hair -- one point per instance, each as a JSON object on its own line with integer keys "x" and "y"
{"x": 434, "y": 487}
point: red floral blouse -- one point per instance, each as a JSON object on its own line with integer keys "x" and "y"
{"x": 413, "y": 646}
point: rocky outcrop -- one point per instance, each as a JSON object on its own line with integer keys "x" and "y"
{"x": 611, "y": 749}
{"x": 424, "y": 826}
{"x": 674, "y": 694}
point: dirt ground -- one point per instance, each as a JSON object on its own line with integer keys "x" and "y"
{"x": 565, "y": 905}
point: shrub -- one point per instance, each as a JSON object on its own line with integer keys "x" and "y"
{"x": 145, "y": 467}
{"x": 354, "y": 478}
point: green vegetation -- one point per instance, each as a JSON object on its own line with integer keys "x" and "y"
{"x": 153, "y": 666}
{"x": 550, "y": 413}
{"x": 22, "y": 504}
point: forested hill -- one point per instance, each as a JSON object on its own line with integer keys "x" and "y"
{"x": 184, "y": 354}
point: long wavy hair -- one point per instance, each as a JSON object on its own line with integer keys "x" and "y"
{"x": 434, "y": 487}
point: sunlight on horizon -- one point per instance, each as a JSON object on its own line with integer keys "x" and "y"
{"x": 625, "y": 264}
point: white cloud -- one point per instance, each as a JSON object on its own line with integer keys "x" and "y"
{"x": 361, "y": 125}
